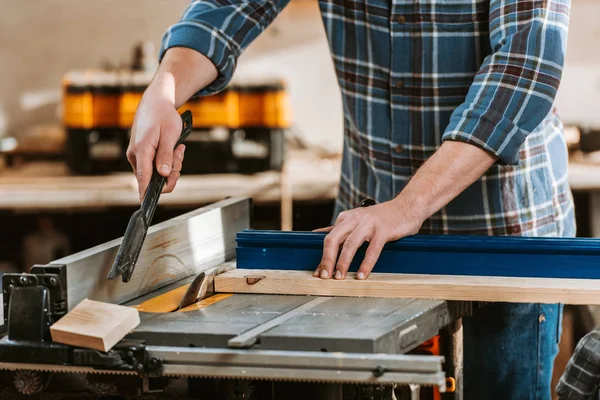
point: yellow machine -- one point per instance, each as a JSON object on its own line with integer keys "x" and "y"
{"x": 238, "y": 130}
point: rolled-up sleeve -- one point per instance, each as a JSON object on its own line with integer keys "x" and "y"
{"x": 515, "y": 87}
{"x": 221, "y": 30}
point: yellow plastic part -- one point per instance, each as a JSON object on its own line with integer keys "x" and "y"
{"x": 77, "y": 110}
{"x": 206, "y": 302}
{"x": 127, "y": 108}
{"x": 267, "y": 108}
{"x": 450, "y": 385}
{"x": 221, "y": 109}
{"x": 165, "y": 302}
{"x": 93, "y": 99}
{"x": 105, "y": 110}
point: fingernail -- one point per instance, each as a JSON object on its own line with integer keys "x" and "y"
{"x": 165, "y": 169}
{"x": 324, "y": 274}
{"x": 361, "y": 275}
{"x": 316, "y": 273}
{"x": 338, "y": 275}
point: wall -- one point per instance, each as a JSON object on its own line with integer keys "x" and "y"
{"x": 46, "y": 38}
{"x": 42, "y": 41}
{"x": 578, "y": 98}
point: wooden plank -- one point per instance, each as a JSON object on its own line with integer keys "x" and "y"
{"x": 438, "y": 287}
{"x": 173, "y": 250}
{"x": 95, "y": 325}
{"x": 529, "y": 257}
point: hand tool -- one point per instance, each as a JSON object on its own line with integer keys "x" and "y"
{"x": 139, "y": 222}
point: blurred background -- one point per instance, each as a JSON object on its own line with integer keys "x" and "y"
{"x": 71, "y": 73}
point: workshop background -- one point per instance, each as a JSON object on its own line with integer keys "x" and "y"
{"x": 52, "y": 204}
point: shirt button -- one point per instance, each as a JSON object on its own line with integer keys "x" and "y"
{"x": 399, "y": 148}
{"x": 400, "y": 84}
{"x": 401, "y": 19}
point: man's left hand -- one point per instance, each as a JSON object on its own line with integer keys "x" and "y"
{"x": 377, "y": 225}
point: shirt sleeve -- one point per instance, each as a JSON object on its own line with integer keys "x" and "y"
{"x": 221, "y": 30}
{"x": 514, "y": 89}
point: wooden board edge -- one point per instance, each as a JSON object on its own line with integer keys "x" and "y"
{"x": 427, "y": 287}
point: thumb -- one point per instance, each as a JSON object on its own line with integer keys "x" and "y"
{"x": 164, "y": 154}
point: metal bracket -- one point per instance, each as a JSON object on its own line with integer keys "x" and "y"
{"x": 127, "y": 355}
{"x": 34, "y": 301}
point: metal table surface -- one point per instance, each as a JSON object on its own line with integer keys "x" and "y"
{"x": 359, "y": 325}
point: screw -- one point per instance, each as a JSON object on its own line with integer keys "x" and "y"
{"x": 130, "y": 354}
{"x": 52, "y": 281}
{"x": 140, "y": 367}
{"x": 23, "y": 280}
{"x": 378, "y": 371}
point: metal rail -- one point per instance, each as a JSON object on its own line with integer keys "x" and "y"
{"x": 302, "y": 366}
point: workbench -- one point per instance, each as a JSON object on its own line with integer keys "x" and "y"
{"x": 44, "y": 186}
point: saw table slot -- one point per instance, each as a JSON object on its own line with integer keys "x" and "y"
{"x": 249, "y": 338}
{"x": 214, "y": 325}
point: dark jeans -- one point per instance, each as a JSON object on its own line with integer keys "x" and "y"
{"x": 509, "y": 351}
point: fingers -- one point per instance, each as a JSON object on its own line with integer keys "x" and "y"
{"x": 331, "y": 246}
{"x": 371, "y": 257}
{"x": 165, "y": 153}
{"x": 326, "y": 229}
{"x": 178, "y": 155}
{"x": 131, "y": 158}
{"x": 351, "y": 245}
{"x": 143, "y": 170}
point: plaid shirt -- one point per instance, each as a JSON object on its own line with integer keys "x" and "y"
{"x": 414, "y": 74}
{"x": 582, "y": 376}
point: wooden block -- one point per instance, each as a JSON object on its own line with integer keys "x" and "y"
{"x": 173, "y": 250}
{"x": 439, "y": 287}
{"x": 95, "y": 325}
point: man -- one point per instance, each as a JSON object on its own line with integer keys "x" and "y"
{"x": 448, "y": 125}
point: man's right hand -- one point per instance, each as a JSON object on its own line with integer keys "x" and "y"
{"x": 157, "y": 124}
{"x": 156, "y": 128}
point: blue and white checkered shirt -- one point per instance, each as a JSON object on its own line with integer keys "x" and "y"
{"x": 416, "y": 73}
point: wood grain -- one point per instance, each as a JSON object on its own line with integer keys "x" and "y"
{"x": 95, "y": 325}
{"x": 173, "y": 250}
{"x": 439, "y": 287}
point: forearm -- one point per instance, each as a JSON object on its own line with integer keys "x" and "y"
{"x": 182, "y": 73}
{"x": 448, "y": 172}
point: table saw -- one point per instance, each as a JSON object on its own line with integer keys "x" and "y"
{"x": 222, "y": 346}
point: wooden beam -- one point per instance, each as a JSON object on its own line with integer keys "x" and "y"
{"x": 528, "y": 257}
{"x": 173, "y": 250}
{"x": 440, "y": 287}
{"x": 95, "y": 325}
